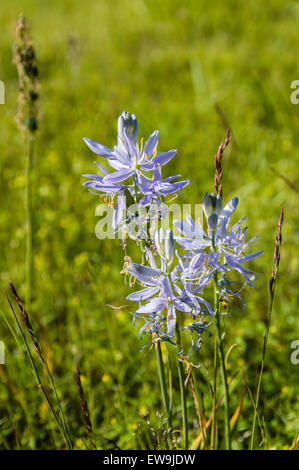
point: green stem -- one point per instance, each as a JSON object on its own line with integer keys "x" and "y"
{"x": 221, "y": 359}
{"x": 182, "y": 387}
{"x": 28, "y": 198}
{"x": 199, "y": 402}
{"x": 62, "y": 417}
{"x": 181, "y": 376}
{"x": 214, "y": 390}
{"x": 266, "y": 336}
{"x": 161, "y": 371}
{"x": 222, "y": 365}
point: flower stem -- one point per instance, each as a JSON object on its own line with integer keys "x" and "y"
{"x": 222, "y": 365}
{"x": 29, "y": 237}
{"x": 161, "y": 371}
{"x": 181, "y": 376}
{"x": 182, "y": 387}
{"x": 213, "y": 434}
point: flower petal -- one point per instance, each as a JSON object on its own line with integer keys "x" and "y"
{"x": 171, "y": 320}
{"x": 151, "y": 144}
{"x": 143, "y": 294}
{"x": 163, "y": 158}
{"x": 181, "y": 306}
{"x": 250, "y": 256}
{"x": 118, "y": 176}
{"x": 155, "y": 305}
{"x": 120, "y": 207}
{"x": 98, "y": 148}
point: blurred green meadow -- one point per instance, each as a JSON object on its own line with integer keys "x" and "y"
{"x": 190, "y": 69}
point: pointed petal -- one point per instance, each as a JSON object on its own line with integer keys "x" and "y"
{"x": 235, "y": 265}
{"x": 118, "y": 214}
{"x": 250, "y": 256}
{"x": 181, "y": 306}
{"x": 151, "y": 144}
{"x": 144, "y": 274}
{"x": 95, "y": 177}
{"x": 229, "y": 209}
{"x": 104, "y": 170}
{"x": 118, "y": 176}
{"x": 167, "y": 291}
{"x": 170, "y": 188}
{"x": 98, "y": 148}
{"x": 163, "y": 158}
{"x": 143, "y": 294}
{"x": 155, "y": 305}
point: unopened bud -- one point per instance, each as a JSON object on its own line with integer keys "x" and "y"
{"x": 212, "y": 205}
{"x": 164, "y": 242}
{"x": 128, "y": 122}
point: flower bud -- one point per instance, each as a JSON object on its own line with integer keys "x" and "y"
{"x": 164, "y": 242}
{"x": 212, "y": 203}
{"x": 128, "y": 122}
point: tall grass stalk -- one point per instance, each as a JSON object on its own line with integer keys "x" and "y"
{"x": 84, "y": 408}
{"x": 25, "y": 61}
{"x": 219, "y": 343}
{"x": 272, "y": 283}
{"x": 29, "y": 237}
{"x": 60, "y": 419}
{"x": 198, "y": 403}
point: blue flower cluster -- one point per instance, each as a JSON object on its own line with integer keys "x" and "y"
{"x": 141, "y": 165}
{"x": 204, "y": 253}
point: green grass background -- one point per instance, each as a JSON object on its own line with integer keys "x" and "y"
{"x": 189, "y": 69}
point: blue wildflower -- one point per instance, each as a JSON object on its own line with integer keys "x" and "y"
{"x": 158, "y": 291}
{"x": 126, "y": 157}
{"x": 130, "y": 161}
{"x": 153, "y": 189}
{"x": 222, "y": 241}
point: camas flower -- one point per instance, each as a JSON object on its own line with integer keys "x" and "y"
{"x": 184, "y": 274}
{"x": 222, "y": 241}
{"x": 111, "y": 190}
{"x": 166, "y": 291}
{"x": 159, "y": 291}
{"x": 126, "y": 157}
{"x": 195, "y": 272}
{"x": 130, "y": 161}
{"x": 153, "y": 189}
